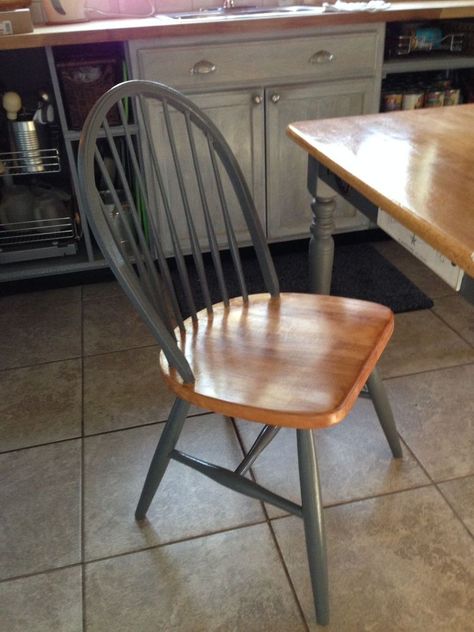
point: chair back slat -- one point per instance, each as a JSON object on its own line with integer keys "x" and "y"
{"x": 179, "y": 203}
{"x": 210, "y": 232}
{"x": 195, "y": 246}
{"x": 166, "y": 205}
{"x": 173, "y": 313}
{"x": 231, "y": 239}
{"x": 140, "y": 251}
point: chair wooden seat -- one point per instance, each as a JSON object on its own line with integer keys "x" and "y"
{"x": 296, "y": 360}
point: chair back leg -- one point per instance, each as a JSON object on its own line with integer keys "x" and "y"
{"x": 379, "y": 398}
{"x": 265, "y": 437}
{"x": 161, "y": 458}
{"x": 313, "y": 523}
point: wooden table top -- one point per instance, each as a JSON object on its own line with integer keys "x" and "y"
{"x": 417, "y": 165}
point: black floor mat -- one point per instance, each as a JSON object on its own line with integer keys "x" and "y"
{"x": 359, "y": 272}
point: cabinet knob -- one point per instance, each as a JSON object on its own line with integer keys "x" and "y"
{"x": 321, "y": 57}
{"x": 257, "y": 99}
{"x": 203, "y": 67}
{"x": 275, "y": 98}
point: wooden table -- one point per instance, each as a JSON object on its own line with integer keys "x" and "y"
{"x": 417, "y": 165}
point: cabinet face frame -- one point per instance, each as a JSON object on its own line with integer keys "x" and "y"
{"x": 211, "y": 66}
{"x": 262, "y": 67}
{"x": 89, "y": 257}
{"x": 288, "y": 201}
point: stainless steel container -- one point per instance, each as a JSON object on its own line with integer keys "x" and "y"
{"x": 27, "y": 141}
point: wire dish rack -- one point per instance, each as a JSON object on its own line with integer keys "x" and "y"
{"x": 409, "y": 44}
{"x": 19, "y": 163}
{"x": 37, "y": 239}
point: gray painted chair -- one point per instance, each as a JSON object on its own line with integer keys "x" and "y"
{"x": 170, "y": 237}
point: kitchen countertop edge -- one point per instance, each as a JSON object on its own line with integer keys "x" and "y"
{"x": 144, "y": 28}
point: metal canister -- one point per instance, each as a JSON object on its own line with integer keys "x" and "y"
{"x": 27, "y": 145}
{"x": 434, "y": 98}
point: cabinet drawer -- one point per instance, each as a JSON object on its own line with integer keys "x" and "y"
{"x": 326, "y": 56}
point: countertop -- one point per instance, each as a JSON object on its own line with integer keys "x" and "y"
{"x": 159, "y": 26}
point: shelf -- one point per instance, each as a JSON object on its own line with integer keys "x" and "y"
{"x": 115, "y": 130}
{"x": 36, "y": 231}
{"x": 420, "y": 63}
{"x": 49, "y": 267}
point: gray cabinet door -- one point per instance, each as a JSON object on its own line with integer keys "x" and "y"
{"x": 288, "y": 201}
{"x": 240, "y": 118}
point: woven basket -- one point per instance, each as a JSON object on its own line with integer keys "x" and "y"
{"x": 83, "y": 81}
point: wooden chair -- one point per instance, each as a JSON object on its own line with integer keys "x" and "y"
{"x": 294, "y": 360}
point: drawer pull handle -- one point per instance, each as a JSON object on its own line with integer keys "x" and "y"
{"x": 275, "y": 98}
{"x": 257, "y": 99}
{"x": 322, "y": 57}
{"x": 203, "y": 67}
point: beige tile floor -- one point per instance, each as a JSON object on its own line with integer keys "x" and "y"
{"x": 81, "y": 408}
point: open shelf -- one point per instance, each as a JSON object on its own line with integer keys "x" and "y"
{"x": 430, "y": 61}
{"x": 50, "y": 267}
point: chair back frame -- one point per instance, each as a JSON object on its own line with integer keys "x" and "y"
{"x": 143, "y": 270}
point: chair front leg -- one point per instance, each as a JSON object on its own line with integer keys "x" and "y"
{"x": 161, "y": 458}
{"x": 379, "y": 398}
{"x": 313, "y": 523}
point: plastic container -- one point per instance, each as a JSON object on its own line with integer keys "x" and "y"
{"x": 64, "y": 11}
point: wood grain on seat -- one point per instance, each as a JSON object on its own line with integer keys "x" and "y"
{"x": 299, "y": 360}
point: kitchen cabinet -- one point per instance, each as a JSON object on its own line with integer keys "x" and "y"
{"x": 288, "y": 210}
{"x": 253, "y": 89}
{"x": 252, "y": 83}
{"x": 247, "y": 141}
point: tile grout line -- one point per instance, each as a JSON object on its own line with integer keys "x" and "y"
{"x": 44, "y": 571}
{"x": 436, "y": 484}
{"x": 445, "y": 322}
{"x": 287, "y": 572}
{"x": 417, "y": 460}
{"x": 423, "y": 371}
{"x": 98, "y": 434}
{"x": 151, "y": 547}
{"x": 39, "y": 364}
{"x": 362, "y": 499}
{"x": 82, "y": 479}
{"x": 76, "y": 357}
{"x": 111, "y": 352}
{"x": 455, "y": 512}
{"x": 273, "y": 535}
{"x": 41, "y": 445}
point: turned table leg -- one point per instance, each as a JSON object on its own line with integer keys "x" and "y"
{"x": 321, "y": 244}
